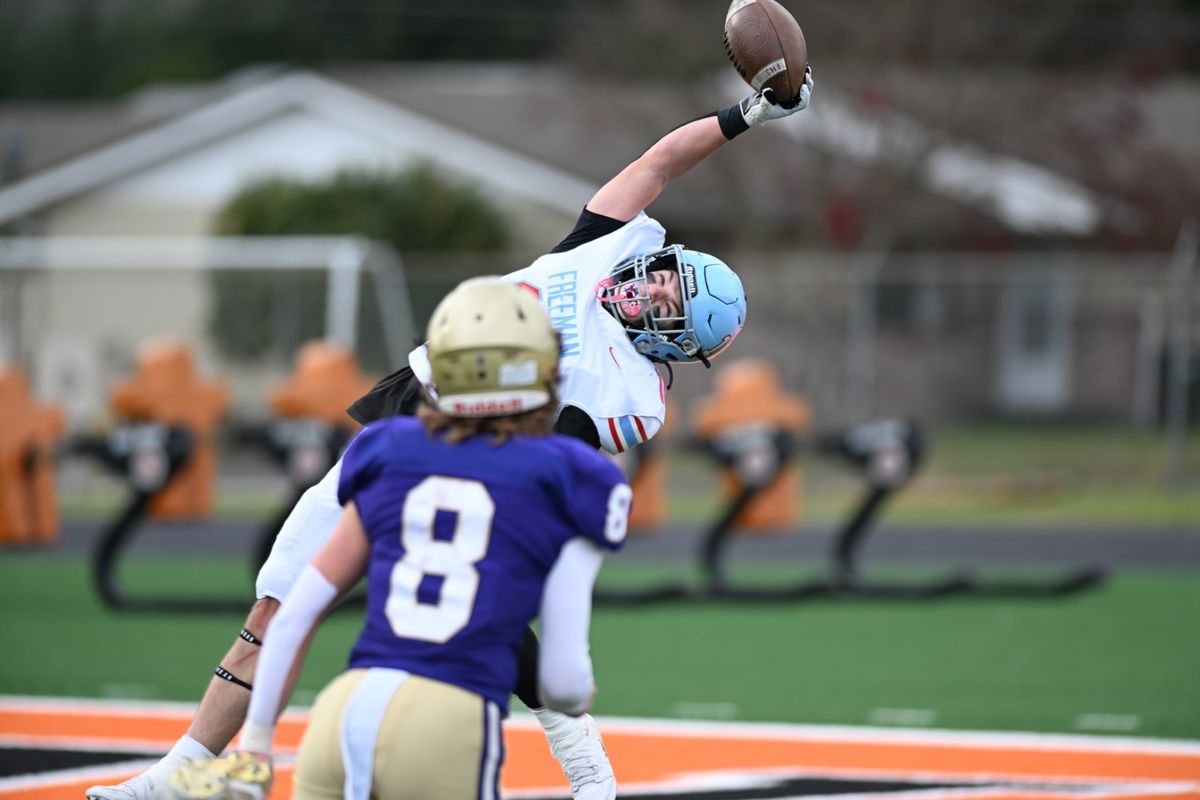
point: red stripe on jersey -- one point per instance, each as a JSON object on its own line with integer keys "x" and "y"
{"x": 612, "y": 428}
{"x": 641, "y": 431}
{"x": 533, "y": 290}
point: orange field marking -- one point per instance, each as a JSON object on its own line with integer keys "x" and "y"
{"x": 665, "y": 756}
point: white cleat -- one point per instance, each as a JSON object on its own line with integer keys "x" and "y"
{"x": 576, "y": 743}
{"x": 237, "y": 776}
{"x": 139, "y": 787}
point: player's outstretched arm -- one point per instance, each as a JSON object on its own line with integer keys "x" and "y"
{"x": 640, "y": 183}
{"x": 636, "y": 186}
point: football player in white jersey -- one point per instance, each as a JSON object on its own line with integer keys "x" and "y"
{"x": 623, "y": 302}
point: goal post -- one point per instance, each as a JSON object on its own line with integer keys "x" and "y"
{"x": 74, "y": 310}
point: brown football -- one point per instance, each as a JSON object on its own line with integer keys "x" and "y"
{"x": 767, "y": 47}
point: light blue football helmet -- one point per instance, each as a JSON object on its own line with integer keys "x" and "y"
{"x": 714, "y": 305}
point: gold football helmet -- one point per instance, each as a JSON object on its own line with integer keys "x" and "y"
{"x": 492, "y": 349}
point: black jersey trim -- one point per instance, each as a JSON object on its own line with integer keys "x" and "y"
{"x": 588, "y": 228}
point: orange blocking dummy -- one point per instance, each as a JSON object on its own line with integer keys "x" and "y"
{"x": 28, "y": 512}
{"x": 748, "y": 402}
{"x": 326, "y": 380}
{"x": 165, "y": 389}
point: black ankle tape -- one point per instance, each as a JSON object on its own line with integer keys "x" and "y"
{"x": 226, "y": 675}
{"x": 250, "y": 637}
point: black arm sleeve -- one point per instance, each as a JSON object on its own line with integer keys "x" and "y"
{"x": 572, "y": 421}
{"x": 589, "y": 226}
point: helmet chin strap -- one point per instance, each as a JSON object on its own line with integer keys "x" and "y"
{"x": 671, "y": 372}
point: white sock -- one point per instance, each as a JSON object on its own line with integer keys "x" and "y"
{"x": 186, "y": 749}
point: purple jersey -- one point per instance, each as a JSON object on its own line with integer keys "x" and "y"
{"x": 462, "y": 539}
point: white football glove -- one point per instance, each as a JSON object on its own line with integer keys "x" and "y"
{"x": 763, "y": 107}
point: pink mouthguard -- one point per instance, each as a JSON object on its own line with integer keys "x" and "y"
{"x": 629, "y": 308}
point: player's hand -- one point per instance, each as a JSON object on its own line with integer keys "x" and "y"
{"x": 764, "y": 106}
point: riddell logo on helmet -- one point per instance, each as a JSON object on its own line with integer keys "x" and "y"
{"x": 489, "y": 408}
{"x": 689, "y": 279}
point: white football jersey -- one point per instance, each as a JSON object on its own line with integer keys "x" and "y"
{"x": 601, "y": 372}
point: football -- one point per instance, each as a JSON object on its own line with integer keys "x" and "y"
{"x": 767, "y": 47}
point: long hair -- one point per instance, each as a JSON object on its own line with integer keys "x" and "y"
{"x": 452, "y": 430}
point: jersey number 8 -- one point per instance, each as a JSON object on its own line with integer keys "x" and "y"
{"x": 454, "y": 560}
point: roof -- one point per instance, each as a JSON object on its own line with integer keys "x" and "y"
{"x": 924, "y": 152}
{"x": 246, "y": 106}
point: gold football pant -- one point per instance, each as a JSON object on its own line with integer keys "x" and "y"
{"x": 389, "y": 735}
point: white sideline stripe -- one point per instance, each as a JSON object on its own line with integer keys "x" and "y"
{"x": 164, "y": 709}
{"x": 1091, "y": 790}
{"x": 161, "y": 708}
{"x": 96, "y": 773}
{"x": 100, "y": 745}
{"x": 72, "y": 742}
{"x": 745, "y": 730}
{"x": 1091, "y": 786}
{"x": 847, "y": 733}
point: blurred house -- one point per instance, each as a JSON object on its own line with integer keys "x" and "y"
{"x": 164, "y": 163}
{"x": 935, "y": 245}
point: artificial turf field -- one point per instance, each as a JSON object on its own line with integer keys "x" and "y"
{"x": 1122, "y": 658}
{"x": 670, "y": 760}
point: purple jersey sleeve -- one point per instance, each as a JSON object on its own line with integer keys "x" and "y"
{"x": 600, "y": 496}
{"x": 362, "y": 462}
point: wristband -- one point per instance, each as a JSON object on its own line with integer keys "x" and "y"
{"x": 732, "y": 121}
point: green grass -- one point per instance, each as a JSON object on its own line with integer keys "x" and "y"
{"x": 58, "y": 639}
{"x": 933, "y": 501}
{"x": 1027, "y": 474}
{"x": 1092, "y": 454}
{"x": 1131, "y": 647}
